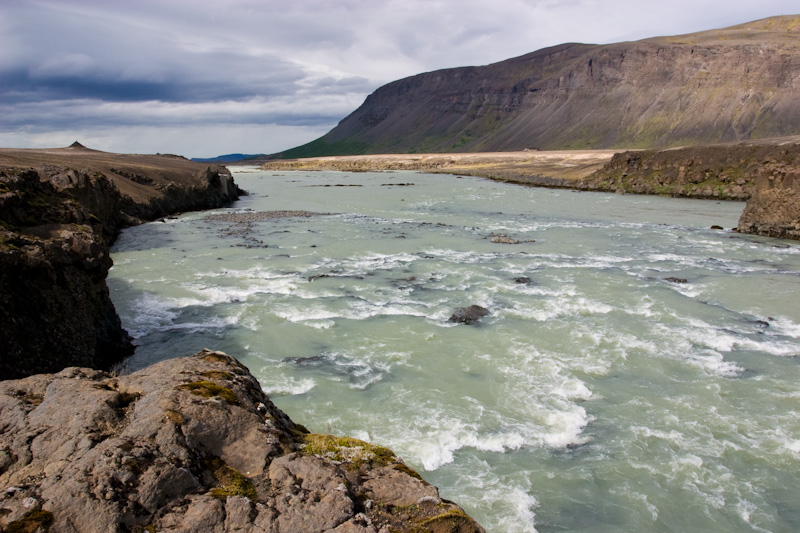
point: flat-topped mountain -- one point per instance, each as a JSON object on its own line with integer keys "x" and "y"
{"x": 731, "y": 84}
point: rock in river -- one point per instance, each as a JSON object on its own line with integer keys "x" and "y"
{"x": 468, "y": 315}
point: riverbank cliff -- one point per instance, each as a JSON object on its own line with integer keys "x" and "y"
{"x": 60, "y": 211}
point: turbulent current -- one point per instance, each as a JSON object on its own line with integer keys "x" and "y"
{"x": 637, "y": 370}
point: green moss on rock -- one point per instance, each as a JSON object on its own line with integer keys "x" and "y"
{"x": 218, "y": 374}
{"x": 209, "y": 389}
{"x": 346, "y": 449}
{"x": 231, "y": 481}
{"x": 36, "y": 520}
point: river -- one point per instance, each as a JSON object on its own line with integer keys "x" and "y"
{"x": 637, "y": 370}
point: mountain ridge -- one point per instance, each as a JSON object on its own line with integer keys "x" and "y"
{"x": 731, "y": 84}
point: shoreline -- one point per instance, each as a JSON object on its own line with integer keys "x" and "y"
{"x": 766, "y": 175}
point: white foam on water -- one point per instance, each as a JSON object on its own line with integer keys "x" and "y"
{"x": 546, "y": 413}
{"x": 794, "y": 447}
{"x": 502, "y": 502}
{"x": 715, "y": 363}
{"x": 786, "y": 326}
{"x": 319, "y": 314}
{"x": 151, "y": 312}
{"x": 368, "y": 263}
{"x": 154, "y": 313}
{"x": 436, "y": 432}
{"x": 274, "y": 383}
{"x": 566, "y": 306}
{"x": 460, "y": 258}
{"x": 312, "y": 312}
{"x": 723, "y": 340}
{"x": 746, "y": 511}
{"x": 689, "y": 290}
{"x": 565, "y": 428}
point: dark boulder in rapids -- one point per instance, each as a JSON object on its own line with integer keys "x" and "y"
{"x": 468, "y": 315}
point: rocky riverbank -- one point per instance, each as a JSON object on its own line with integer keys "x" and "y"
{"x": 189, "y": 444}
{"x": 767, "y": 174}
{"x": 193, "y": 444}
{"x": 717, "y": 172}
{"x": 60, "y": 210}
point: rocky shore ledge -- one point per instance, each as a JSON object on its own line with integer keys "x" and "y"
{"x": 193, "y": 444}
{"x": 60, "y": 210}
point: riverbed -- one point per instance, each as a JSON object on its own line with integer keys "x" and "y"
{"x": 637, "y": 370}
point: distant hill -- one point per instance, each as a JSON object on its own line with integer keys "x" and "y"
{"x": 737, "y": 83}
{"x": 229, "y": 158}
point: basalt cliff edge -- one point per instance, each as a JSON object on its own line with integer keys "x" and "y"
{"x": 60, "y": 210}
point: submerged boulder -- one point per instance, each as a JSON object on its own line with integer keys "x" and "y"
{"x": 468, "y": 315}
{"x": 192, "y": 444}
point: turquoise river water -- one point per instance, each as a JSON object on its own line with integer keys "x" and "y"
{"x": 595, "y": 396}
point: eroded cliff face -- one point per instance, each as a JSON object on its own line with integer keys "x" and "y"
{"x": 193, "y": 444}
{"x": 720, "y": 172}
{"x": 737, "y": 83}
{"x": 56, "y": 226}
{"x": 774, "y": 209}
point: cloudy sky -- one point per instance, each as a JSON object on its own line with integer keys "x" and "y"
{"x": 208, "y": 77}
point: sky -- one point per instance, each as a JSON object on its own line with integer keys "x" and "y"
{"x": 202, "y": 78}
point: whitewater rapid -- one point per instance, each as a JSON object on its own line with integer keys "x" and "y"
{"x": 601, "y": 393}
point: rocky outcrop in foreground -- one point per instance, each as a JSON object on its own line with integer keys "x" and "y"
{"x": 193, "y": 444}
{"x": 60, "y": 210}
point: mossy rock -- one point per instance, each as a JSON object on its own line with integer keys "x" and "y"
{"x": 36, "y": 520}
{"x": 453, "y": 520}
{"x": 346, "y": 450}
{"x": 231, "y": 481}
{"x": 218, "y": 374}
{"x": 209, "y": 389}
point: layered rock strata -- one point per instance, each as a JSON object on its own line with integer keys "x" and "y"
{"x": 193, "y": 444}
{"x": 60, "y": 210}
{"x": 731, "y": 84}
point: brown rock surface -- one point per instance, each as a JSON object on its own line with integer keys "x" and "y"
{"x": 59, "y": 212}
{"x": 774, "y": 209}
{"x": 718, "y": 172}
{"x": 193, "y": 444}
